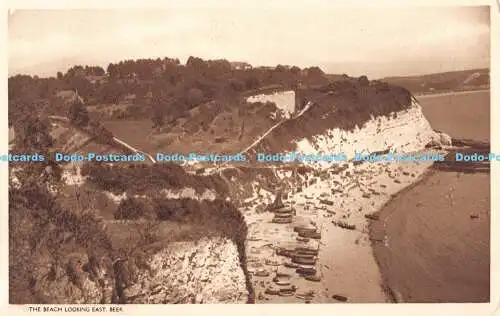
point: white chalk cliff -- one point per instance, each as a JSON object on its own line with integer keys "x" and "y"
{"x": 405, "y": 131}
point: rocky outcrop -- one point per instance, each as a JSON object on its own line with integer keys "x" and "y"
{"x": 78, "y": 279}
{"x": 206, "y": 271}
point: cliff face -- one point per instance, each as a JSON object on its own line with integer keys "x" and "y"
{"x": 203, "y": 271}
{"x": 206, "y": 271}
{"x": 349, "y": 118}
{"x": 285, "y": 101}
{"x": 76, "y": 279}
{"x": 404, "y": 131}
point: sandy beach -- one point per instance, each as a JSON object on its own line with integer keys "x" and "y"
{"x": 345, "y": 260}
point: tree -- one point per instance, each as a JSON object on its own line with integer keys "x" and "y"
{"x": 113, "y": 71}
{"x": 157, "y": 101}
{"x": 280, "y": 68}
{"x": 295, "y": 70}
{"x": 237, "y": 85}
{"x": 77, "y": 70}
{"x": 363, "y": 81}
{"x": 196, "y": 65}
{"x": 194, "y": 97}
{"x": 78, "y": 114}
{"x": 80, "y": 84}
{"x": 158, "y": 117}
{"x": 33, "y": 135}
{"x": 315, "y": 71}
{"x": 131, "y": 209}
{"x": 252, "y": 82}
{"x": 112, "y": 92}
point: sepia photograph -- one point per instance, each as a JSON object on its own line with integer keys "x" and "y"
{"x": 249, "y": 155}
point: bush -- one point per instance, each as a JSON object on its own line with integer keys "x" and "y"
{"x": 237, "y": 85}
{"x": 295, "y": 70}
{"x": 130, "y": 208}
{"x": 103, "y": 136}
{"x": 252, "y": 82}
{"x": 363, "y": 81}
{"x": 194, "y": 97}
{"x": 78, "y": 114}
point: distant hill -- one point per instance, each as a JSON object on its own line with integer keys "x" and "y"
{"x": 475, "y": 79}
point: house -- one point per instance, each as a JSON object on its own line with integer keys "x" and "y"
{"x": 237, "y": 65}
{"x": 97, "y": 79}
{"x": 69, "y": 95}
{"x": 158, "y": 71}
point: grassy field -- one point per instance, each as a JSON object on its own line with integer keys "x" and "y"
{"x": 439, "y": 230}
{"x": 134, "y": 132}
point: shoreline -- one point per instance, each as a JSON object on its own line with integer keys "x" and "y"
{"x": 447, "y": 93}
{"x": 419, "y": 256}
{"x": 377, "y": 233}
{"x": 346, "y": 260}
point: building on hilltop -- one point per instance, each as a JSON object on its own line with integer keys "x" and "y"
{"x": 69, "y": 95}
{"x": 237, "y": 65}
{"x": 97, "y": 79}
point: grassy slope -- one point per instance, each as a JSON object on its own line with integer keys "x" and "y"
{"x": 446, "y": 81}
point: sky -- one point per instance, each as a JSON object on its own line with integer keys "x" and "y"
{"x": 376, "y": 42}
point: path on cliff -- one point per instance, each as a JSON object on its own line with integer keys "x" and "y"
{"x": 258, "y": 140}
{"x": 137, "y": 151}
{"x": 309, "y": 104}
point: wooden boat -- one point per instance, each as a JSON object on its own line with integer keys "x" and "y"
{"x": 304, "y": 229}
{"x": 306, "y": 270}
{"x": 282, "y": 220}
{"x": 261, "y": 273}
{"x": 308, "y": 260}
{"x": 291, "y": 265}
{"x": 305, "y": 250}
{"x": 340, "y": 298}
{"x": 285, "y": 252}
{"x": 304, "y": 254}
{"x": 283, "y": 211}
{"x": 313, "y": 235}
{"x": 272, "y": 290}
{"x": 281, "y": 280}
{"x": 326, "y": 202}
{"x": 286, "y": 293}
{"x": 344, "y": 225}
{"x": 314, "y": 278}
{"x": 374, "y": 217}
